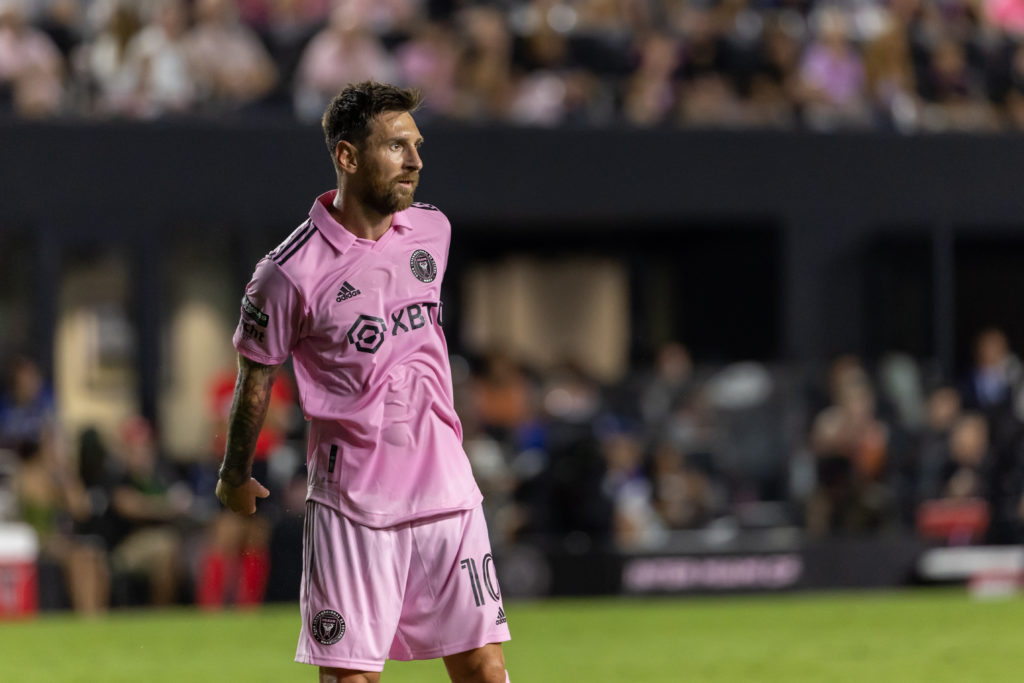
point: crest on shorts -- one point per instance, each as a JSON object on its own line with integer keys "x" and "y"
{"x": 423, "y": 266}
{"x": 328, "y": 627}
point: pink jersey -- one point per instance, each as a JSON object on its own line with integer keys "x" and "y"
{"x": 362, "y": 321}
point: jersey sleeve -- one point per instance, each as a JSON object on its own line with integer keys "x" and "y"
{"x": 271, "y": 316}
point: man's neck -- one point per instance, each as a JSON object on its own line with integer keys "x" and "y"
{"x": 357, "y": 218}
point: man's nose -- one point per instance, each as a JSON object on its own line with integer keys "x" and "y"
{"x": 413, "y": 160}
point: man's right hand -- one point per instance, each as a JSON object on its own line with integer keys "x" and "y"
{"x": 241, "y": 498}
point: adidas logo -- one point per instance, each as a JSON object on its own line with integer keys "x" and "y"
{"x": 346, "y": 292}
{"x": 501, "y": 617}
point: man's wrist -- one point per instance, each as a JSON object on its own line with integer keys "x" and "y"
{"x": 233, "y": 476}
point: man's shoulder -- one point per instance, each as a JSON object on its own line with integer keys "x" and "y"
{"x": 295, "y": 243}
{"x": 428, "y": 215}
{"x": 303, "y": 252}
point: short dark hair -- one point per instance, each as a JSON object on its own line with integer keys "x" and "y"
{"x": 348, "y": 115}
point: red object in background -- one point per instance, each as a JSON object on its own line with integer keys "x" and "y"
{"x": 957, "y": 522}
{"x": 222, "y": 391}
{"x": 19, "y": 590}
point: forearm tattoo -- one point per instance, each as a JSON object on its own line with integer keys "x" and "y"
{"x": 248, "y": 410}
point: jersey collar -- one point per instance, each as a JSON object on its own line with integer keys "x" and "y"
{"x": 335, "y": 233}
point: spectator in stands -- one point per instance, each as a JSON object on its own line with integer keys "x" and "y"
{"x": 773, "y": 81}
{"x": 235, "y": 562}
{"x": 669, "y": 385}
{"x": 231, "y": 66}
{"x": 635, "y": 524}
{"x": 157, "y": 75}
{"x": 62, "y": 22}
{"x": 27, "y": 410}
{"x": 832, "y": 83}
{"x": 483, "y": 76}
{"x": 890, "y": 82}
{"x": 1015, "y": 94}
{"x": 574, "y": 505}
{"x": 51, "y": 499}
{"x": 31, "y": 67}
{"x": 147, "y": 504}
{"x": 995, "y": 381}
{"x": 707, "y": 92}
{"x": 346, "y": 51}
{"x": 932, "y": 452}
{"x": 427, "y": 61}
{"x": 651, "y": 90}
{"x": 100, "y": 63}
{"x": 967, "y": 471}
{"x": 851, "y": 446}
{"x": 686, "y": 494}
{"x": 288, "y": 27}
{"x": 954, "y": 91}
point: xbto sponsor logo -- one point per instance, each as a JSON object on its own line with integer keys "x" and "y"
{"x": 368, "y": 332}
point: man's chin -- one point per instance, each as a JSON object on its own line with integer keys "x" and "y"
{"x": 403, "y": 202}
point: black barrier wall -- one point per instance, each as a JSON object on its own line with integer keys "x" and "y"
{"x": 842, "y": 205}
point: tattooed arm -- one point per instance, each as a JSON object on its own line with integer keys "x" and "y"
{"x": 236, "y": 488}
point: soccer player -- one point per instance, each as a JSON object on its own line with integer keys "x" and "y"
{"x": 396, "y": 559}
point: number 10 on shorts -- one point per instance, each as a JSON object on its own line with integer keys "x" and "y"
{"x": 490, "y": 579}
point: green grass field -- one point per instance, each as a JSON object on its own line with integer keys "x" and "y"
{"x": 927, "y": 636}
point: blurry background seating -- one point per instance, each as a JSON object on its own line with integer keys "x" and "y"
{"x": 910, "y": 65}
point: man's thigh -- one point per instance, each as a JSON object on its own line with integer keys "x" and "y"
{"x": 453, "y": 600}
{"x": 352, "y": 589}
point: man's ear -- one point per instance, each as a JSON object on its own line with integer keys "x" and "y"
{"x": 346, "y": 156}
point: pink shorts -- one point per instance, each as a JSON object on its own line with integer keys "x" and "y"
{"x": 418, "y": 590}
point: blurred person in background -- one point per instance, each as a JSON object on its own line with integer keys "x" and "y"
{"x": 288, "y": 27}
{"x": 709, "y": 66}
{"x": 27, "y": 409}
{"x": 157, "y": 75}
{"x": 651, "y": 89}
{"x": 52, "y": 499}
{"x": 931, "y": 456}
{"x": 235, "y": 562}
{"x": 994, "y": 383}
{"x": 851, "y": 448}
{"x": 231, "y": 66}
{"x": 635, "y": 523}
{"x": 483, "y": 77}
{"x": 345, "y": 51}
{"x": 687, "y": 495}
{"x": 148, "y": 505}
{"x": 63, "y": 22}
{"x": 1015, "y": 90}
{"x": 890, "y": 81}
{"x": 954, "y": 90}
{"x": 394, "y": 521}
{"x": 773, "y": 81}
{"x": 427, "y": 61}
{"x": 100, "y": 62}
{"x": 31, "y": 67}
{"x": 572, "y": 505}
{"x": 832, "y": 84}
{"x": 970, "y": 461}
{"x": 967, "y": 502}
{"x": 263, "y": 14}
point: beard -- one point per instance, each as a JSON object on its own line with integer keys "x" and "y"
{"x": 387, "y": 196}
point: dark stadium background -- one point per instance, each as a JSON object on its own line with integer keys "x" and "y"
{"x": 784, "y": 248}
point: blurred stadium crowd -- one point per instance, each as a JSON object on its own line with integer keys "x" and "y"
{"x": 674, "y": 449}
{"x": 905, "y": 65}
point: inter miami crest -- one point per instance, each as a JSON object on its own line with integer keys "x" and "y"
{"x": 328, "y": 627}
{"x": 423, "y": 266}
